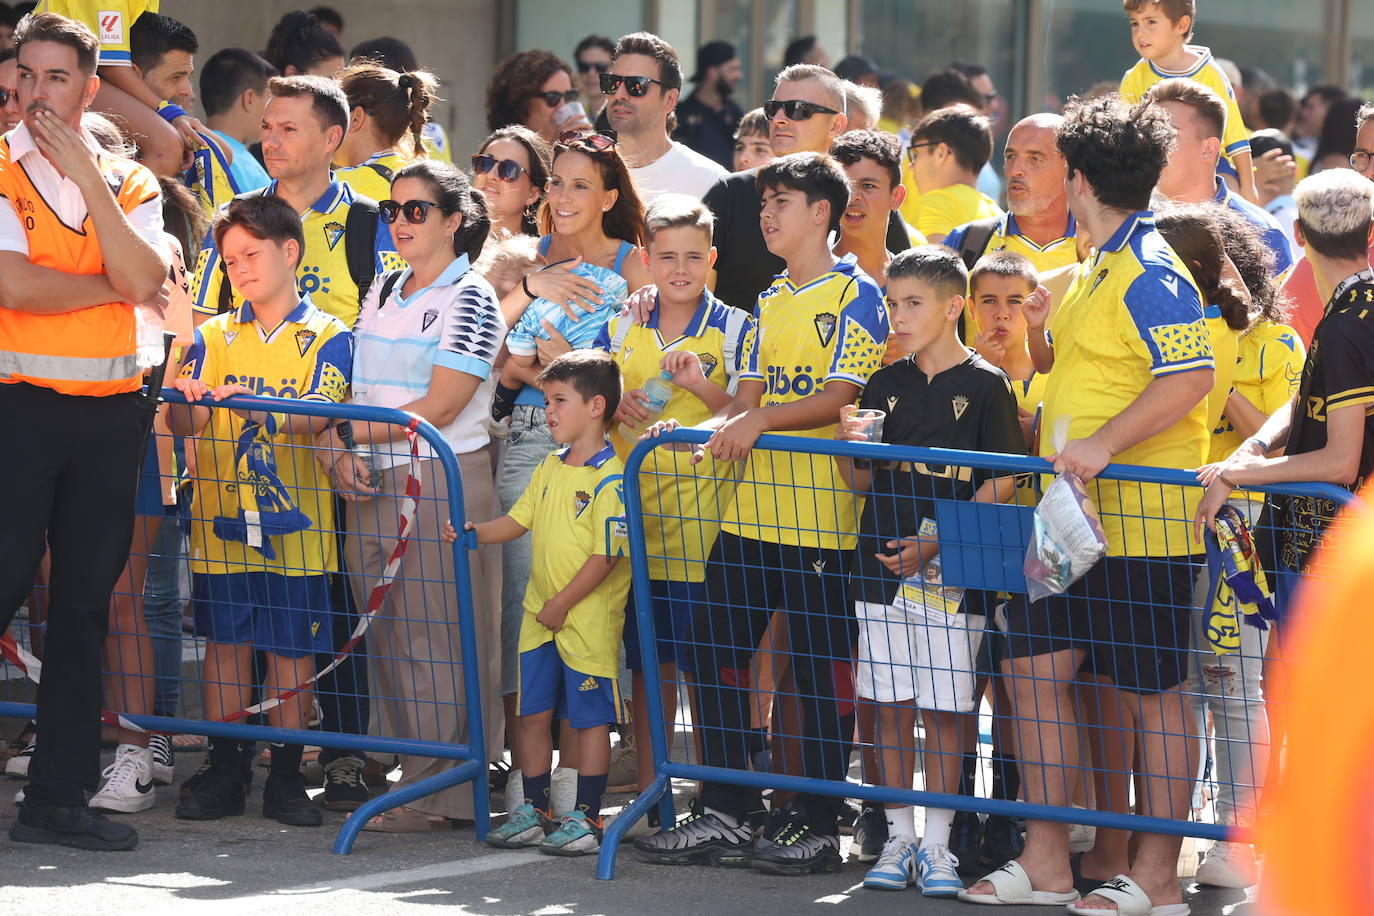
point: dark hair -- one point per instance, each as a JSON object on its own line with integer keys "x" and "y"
{"x": 1205, "y": 103}
{"x": 540, "y": 154}
{"x": 883, "y": 148}
{"x": 1004, "y": 264}
{"x": 298, "y": 40}
{"x": 594, "y": 41}
{"x": 182, "y": 217}
{"x": 815, "y": 175}
{"x": 1327, "y": 91}
{"x": 327, "y": 100}
{"x": 516, "y": 81}
{"x": 329, "y": 16}
{"x": 265, "y": 216}
{"x": 1262, "y": 141}
{"x": 650, "y": 45}
{"x": 1120, "y": 149}
{"x": 797, "y": 49}
{"x": 947, "y": 87}
{"x": 391, "y": 53}
{"x": 7, "y": 54}
{"x": 589, "y": 373}
{"x": 7, "y": 17}
{"x": 397, "y": 102}
{"x": 228, "y": 74}
{"x": 1195, "y": 236}
{"x": 63, "y": 31}
{"x": 1339, "y": 129}
{"x": 935, "y": 265}
{"x": 1173, "y": 10}
{"x": 969, "y": 69}
{"x": 1277, "y": 108}
{"x": 1254, "y": 260}
{"x": 625, "y": 220}
{"x": 753, "y": 124}
{"x": 961, "y": 128}
{"x": 153, "y": 35}
{"x": 454, "y": 194}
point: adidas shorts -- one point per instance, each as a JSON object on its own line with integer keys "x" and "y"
{"x": 548, "y": 683}
{"x": 930, "y": 658}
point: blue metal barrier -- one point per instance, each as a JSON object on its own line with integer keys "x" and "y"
{"x": 472, "y": 754}
{"x": 990, "y": 560}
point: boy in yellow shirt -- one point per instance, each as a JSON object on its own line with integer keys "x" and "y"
{"x": 948, "y": 150}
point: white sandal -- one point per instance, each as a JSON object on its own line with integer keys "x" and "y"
{"x": 1011, "y": 887}
{"x": 1130, "y": 900}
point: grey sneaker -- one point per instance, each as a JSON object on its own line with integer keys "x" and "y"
{"x": 699, "y": 838}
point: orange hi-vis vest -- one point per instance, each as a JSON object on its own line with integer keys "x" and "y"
{"x": 89, "y": 352}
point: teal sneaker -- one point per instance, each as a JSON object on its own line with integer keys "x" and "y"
{"x": 895, "y": 869}
{"x": 577, "y": 835}
{"x": 937, "y": 872}
{"x": 526, "y": 826}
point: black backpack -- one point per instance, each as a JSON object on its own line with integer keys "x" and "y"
{"x": 360, "y": 235}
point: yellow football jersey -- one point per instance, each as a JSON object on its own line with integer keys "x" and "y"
{"x": 109, "y": 19}
{"x": 1269, "y": 360}
{"x": 945, "y": 209}
{"x": 372, "y": 178}
{"x": 1139, "y": 79}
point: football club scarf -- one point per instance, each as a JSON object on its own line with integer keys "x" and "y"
{"x": 1240, "y": 591}
{"x": 266, "y": 509}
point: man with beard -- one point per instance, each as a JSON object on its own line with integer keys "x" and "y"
{"x": 708, "y": 118}
{"x": 643, "y": 88}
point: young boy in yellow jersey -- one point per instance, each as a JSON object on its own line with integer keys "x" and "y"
{"x": 699, "y": 341}
{"x": 1160, "y": 31}
{"x": 947, "y": 151}
{"x": 999, "y": 284}
{"x": 261, "y": 571}
{"x": 786, "y": 538}
{"x": 574, "y": 605}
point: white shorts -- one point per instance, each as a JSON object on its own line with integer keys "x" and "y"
{"x": 906, "y": 656}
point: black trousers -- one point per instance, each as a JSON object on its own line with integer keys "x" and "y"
{"x": 70, "y": 475}
{"x": 746, "y": 580}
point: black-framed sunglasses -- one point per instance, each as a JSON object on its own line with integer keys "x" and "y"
{"x": 636, "y": 86}
{"x": 911, "y": 150}
{"x": 794, "y": 109}
{"x": 416, "y": 211}
{"x": 555, "y": 99}
{"x": 597, "y": 143}
{"x": 506, "y": 169}
{"x": 600, "y": 66}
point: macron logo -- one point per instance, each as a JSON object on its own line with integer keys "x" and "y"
{"x": 1171, "y": 284}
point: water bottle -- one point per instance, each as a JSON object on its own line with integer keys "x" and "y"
{"x": 151, "y": 350}
{"x": 659, "y": 391}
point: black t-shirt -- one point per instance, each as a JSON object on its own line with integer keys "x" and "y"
{"x": 708, "y": 131}
{"x": 1339, "y": 372}
{"x": 744, "y": 265}
{"x": 969, "y": 406}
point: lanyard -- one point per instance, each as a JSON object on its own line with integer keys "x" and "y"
{"x": 1363, "y": 276}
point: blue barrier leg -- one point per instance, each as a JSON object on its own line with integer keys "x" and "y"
{"x": 610, "y": 843}
{"x": 481, "y": 802}
{"x": 343, "y": 844}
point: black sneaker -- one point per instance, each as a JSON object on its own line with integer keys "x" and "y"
{"x": 699, "y": 838}
{"x": 800, "y": 850}
{"x": 966, "y": 840}
{"x": 77, "y": 827}
{"x": 192, "y": 782}
{"x": 344, "y": 788}
{"x": 870, "y": 833}
{"x": 1002, "y": 840}
{"x": 217, "y": 794}
{"x": 285, "y": 800}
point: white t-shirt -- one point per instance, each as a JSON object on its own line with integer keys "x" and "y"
{"x": 679, "y": 171}
{"x": 455, "y": 323}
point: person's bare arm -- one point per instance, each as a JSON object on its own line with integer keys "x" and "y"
{"x": 497, "y": 531}
{"x": 1036, "y": 309}
{"x": 737, "y": 435}
{"x": 44, "y": 291}
{"x": 161, "y": 148}
{"x": 1245, "y": 417}
{"x": 592, "y": 574}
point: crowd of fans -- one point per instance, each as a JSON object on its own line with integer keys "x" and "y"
{"x": 1179, "y": 279}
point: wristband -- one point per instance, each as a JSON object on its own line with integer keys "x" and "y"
{"x": 525, "y": 285}
{"x": 171, "y": 112}
{"x": 1229, "y": 483}
{"x": 1264, "y": 446}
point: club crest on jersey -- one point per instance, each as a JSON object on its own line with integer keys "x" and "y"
{"x": 825, "y": 327}
{"x": 708, "y": 363}
{"x": 430, "y": 316}
{"x": 960, "y": 404}
{"x": 892, "y": 403}
{"x": 304, "y": 338}
{"x": 1098, "y": 281}
{"x": 581, "y": 499}
{"x": 230, "y": 337}
{"x": 332, "y": 233}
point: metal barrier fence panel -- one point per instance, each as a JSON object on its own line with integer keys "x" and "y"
{"x": 363, "y": 634}
{"x": 798, "y": 670}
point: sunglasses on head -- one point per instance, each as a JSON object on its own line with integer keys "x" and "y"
{"x": 597, "y": 143}
{"x": 636, "y": 86}
{"x": 416, "y": 211}
{"x": 555, "y": 99}
{"x": 600, "y": 66}
{"x": 506, "y": 169}
{"x": 794, "y": 109}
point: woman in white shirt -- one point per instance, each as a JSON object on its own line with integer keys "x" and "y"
{"x": 426, "y": 340}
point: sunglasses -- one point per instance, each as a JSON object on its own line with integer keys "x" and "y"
{"x": 6, "y": 95}
{"x": 636, "y": 86}
{"x": 600, "y": 66}
{"x": 911, "y": 150}
{"x": 506, "y": 169}
{"x": 555, "y": 99}
{"x": 795, "y": 109}
{"x": 416, "y": 211}
{"x": 597, "y": 143}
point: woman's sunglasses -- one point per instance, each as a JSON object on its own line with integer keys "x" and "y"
{"x": 416, "y": 211}
{"x": 597, "y": 143}
{"x": 600, "y": 66}
{"x": 555, "y": 99}
{"x": 795, "y": 109}
{"x": 506, "y": 169}
{"x": 636, "y": 86}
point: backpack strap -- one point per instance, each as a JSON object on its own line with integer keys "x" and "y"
{"x": 225, "y": 303}
{"x": 360, "y": 243}
{"x": 976, "y": 238}
{"x": 389, "y": 284}
{"x": 381, "y": 170}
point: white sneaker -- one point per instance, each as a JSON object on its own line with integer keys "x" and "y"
{"x": 18, "y": 765}
{"x": 128, "y": 782}
{"x": 562, "y": 792}
{"x": 515, "y": 790}
{"x": 1229, "y": 865}
{"x": 164, "y": 763}
{"x": 1081, "y": 836}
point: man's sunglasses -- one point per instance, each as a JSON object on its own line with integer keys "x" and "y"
{"x": 636, "y": 86}
{"x": 597, "y": 143}
{"x": 6, "y": 95}
{"x": 416, "y": 211}
{"x": 600, "y": 66}
{"x": 794, "y": 109}
{"x": 506, "y": 169}
{"x": 555, "y": 99}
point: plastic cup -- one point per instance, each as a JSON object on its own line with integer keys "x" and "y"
{"x": 871, "y": 422}
{"x": 569, "y": 115}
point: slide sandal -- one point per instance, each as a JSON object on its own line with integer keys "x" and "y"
{"x": 1130, "y": 900}
{"x": 1011, "y": 887}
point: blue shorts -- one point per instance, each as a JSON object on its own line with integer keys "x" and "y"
{"x": 284, "y": 615}
{"x": 547, "y": 683}
{"x": 674, "y": 603}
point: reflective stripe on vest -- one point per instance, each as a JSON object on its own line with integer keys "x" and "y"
{"x": 68, "y": 368}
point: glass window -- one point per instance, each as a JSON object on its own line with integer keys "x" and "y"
{"x": 760, "y": 50}
{"x": 546, "y": 25}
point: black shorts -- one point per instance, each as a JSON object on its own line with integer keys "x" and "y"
{"x": 1132, "y": 615}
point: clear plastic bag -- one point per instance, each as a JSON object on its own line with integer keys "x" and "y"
{"x": 1067, "y": 538}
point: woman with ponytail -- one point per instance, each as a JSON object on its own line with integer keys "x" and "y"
{"x": 387, "y": 115}
{"x": 427, "y": 339}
